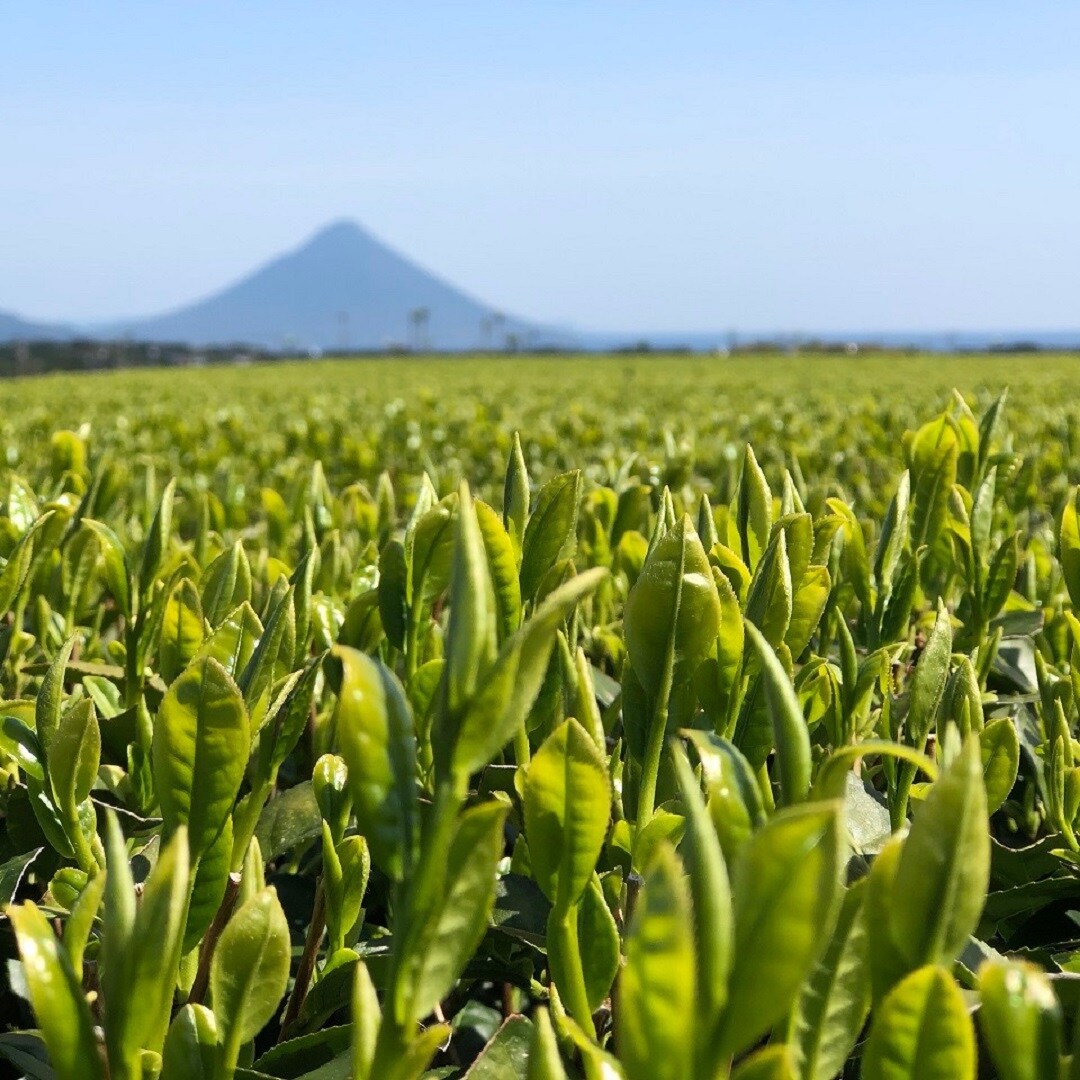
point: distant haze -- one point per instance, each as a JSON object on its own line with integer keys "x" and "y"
{"x": 628, "y": 167}
{"x": 342, "y": 289}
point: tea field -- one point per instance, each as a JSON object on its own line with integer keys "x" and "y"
{"x": 665, "y": 718}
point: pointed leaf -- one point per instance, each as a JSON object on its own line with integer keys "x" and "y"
{"x": 57, "y": 998}
{"x": 786, "y": 887}
{"x": 1020, "y": 1019}
{"x": 655, "y": 1032}
{"x": 567, "y": 802}
{"x": 921, "y": 1031}
{"x": 375, "y": 733}
{"x": 250, "y": 968}
{"x": 551, "y": 534}
{"x": 201, "y": 744}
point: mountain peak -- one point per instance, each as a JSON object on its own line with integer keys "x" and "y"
{"x": 341, "y": 289}
{"x": 340, "y": 232}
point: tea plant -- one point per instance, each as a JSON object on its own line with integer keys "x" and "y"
{"x": 628, "y": 771}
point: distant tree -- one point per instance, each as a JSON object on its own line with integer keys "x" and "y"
{"x": 419, "y": 319}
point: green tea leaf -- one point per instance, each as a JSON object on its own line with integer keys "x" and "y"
{"x": 233, "y": 641}
{"x": 13, "y": 575}
{"x": 894, "y": 534}
{"x": 1001, "y": 576}
{"x": 501, "y": 706}
{"x": 789, "y": 727}
{"x": 921, "y": 1031}
{"x": 250, "y": 970}
{"x": 48, "y": 705}
{"x": 769, "y": 603}
{"x": 451, "y": 930}
{"x": 655, "y": 1032}
{"x": 733, "y": 796}
{"x": 672, "y": 614}
{"x": 56, "y": 996}
{"x": 1069, "y": 546}
{"x": 200, "y": 747}
{"x": 470, "y": 642}
{"x": 12, "y": 873}
{"x": 833, "y": 1002}
{"x": 502, "y": 570}
{"x": 226, "y": 584}
{"x": 211, "y": 878}
{"x": 551, "y": 534}
{"x": 786, "y": 888}
{"x": 711, "y": 892}
{"x": 928, "y": 683}
{"x": 933, "y": 458}
{"x": 366, "y": 1019}
{"x": 941, "y": 880}
{"x": 140, "y": 949}
{"x": 567, "y": 803}
{"x": 288, "y": 820}
{"x": 114, "y": 560}
{"x": 854, "y": 560}
{"x": 75, "y": 754}
{"x": 394, "y": 593}
{"x": 597, "y": 946}
{"x": 410, "y": 1061}
{"x": 285, "y": 722}
{"x": 429, "y": 552}
{"x": 516, "y": 496}
{"x": 375, "y": 733}
{"x": 192, "y": 1048}
{"x": 1000, "y": 748}
{"x": 157, "y": 539}
{"x": 888, "y": 964}
{"x": 506, "y": 1054}
{"x": 807, "y": 607}
{"x": 754, "y": 509}
{"x": 545, "y": 1062}
{"x": 271, "y": 658}
{"x": 768, "y": 1063}
{"x": 182, "y": 631}
{"x": 1020, "y": 1019}
{"x": 81, "y": 921}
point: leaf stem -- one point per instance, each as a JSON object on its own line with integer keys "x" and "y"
{"x": 898, "y": 802}
{"x": 209, "y": 942}
{"x": 306, "y": 967}
{"x": 412, "y": 645}
{"x": 650, "y": 769}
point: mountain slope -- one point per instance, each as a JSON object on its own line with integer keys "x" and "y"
{"x": 12, "y": 328}
{"x": 342, "y": 289}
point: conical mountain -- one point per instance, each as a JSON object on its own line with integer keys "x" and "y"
{"x": 343, "y": 289}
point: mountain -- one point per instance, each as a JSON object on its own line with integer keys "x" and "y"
{"x": 343, "y": 289}
{"x": 12, "y": 328}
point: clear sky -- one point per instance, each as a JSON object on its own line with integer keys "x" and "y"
{"x": 761, "y": 164}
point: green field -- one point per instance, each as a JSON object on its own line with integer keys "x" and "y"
{"x": 404, "y": 414}
{"x": 640, "y": 716}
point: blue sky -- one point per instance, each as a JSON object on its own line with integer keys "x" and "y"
{"x": 761, "y": 164}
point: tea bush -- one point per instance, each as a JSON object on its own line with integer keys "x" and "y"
{"x": 346, "y": 733}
